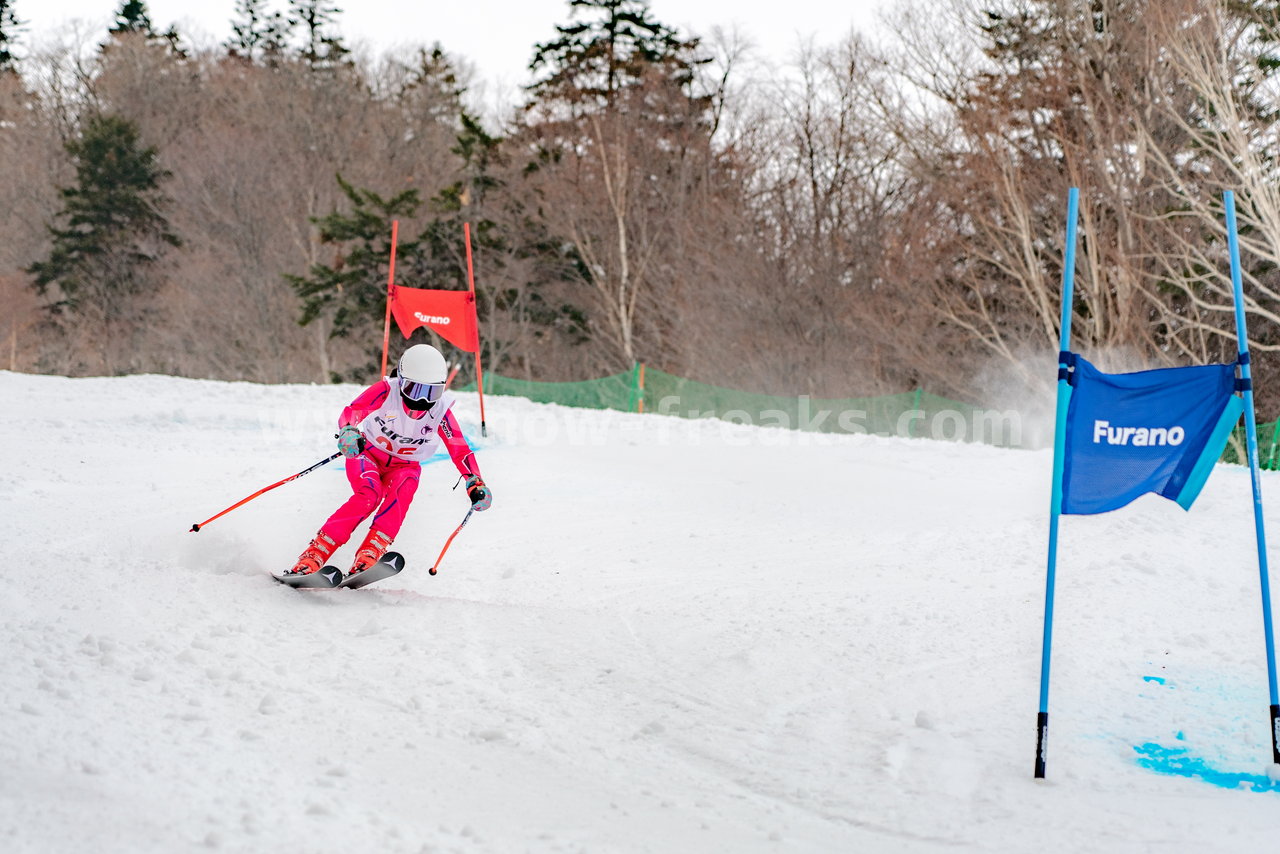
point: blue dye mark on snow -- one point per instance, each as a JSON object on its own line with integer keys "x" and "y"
{"x": 1159, "y": 680}
{"x": 1176, "y": 761}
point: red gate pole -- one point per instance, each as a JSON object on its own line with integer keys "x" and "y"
{"x": 471, "y": 282}
{"x": 391, "y": 286}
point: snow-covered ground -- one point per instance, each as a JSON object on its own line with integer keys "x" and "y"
{"x": 666, "y": 636}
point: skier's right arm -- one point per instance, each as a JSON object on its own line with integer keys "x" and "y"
{"x": 370, "y": 400}
{"x": 350, "y": 440}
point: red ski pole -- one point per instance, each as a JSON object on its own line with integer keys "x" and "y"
{"x": 196, "y": 527}
{"x": 465, "y": 520}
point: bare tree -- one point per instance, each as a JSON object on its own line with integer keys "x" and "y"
{"x": 1226, "y": 107}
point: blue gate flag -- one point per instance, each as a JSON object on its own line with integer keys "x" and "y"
{"x": 1155, "y": 431}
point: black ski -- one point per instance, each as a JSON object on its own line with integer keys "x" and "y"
{"x": 391, "y": 563}
{"x": 326, "y": 578}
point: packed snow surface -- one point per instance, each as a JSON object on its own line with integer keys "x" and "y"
{"x": 665, "y": 636}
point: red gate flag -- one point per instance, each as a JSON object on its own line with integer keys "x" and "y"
{"x": 452, "y": 314}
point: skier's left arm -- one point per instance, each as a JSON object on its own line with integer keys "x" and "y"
{"x": 465, "y": 459}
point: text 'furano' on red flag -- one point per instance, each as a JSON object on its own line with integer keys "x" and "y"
{"x": 452, "y": 314}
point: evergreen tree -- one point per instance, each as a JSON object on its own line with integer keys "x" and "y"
{"x": 615, "y": 47}
{"x": 258, "y": 35}
{"x": 622, "y": 147}
{"x": 431, "y": 89}
{"x": 132, "y": 17}
{"x": 113, "y": 232}
{"x": 324, "y": 47}
{"x": 9, "y": 27}
{"x": 354, "y": 288}
{"x": 507, "y": 234}
{"x": 439, "y": 260}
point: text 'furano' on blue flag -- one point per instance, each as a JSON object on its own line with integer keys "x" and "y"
{"x": 1157, "y": 431}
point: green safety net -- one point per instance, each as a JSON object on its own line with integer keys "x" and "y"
{"x": 1268, "y": 446}
{"x": 615, "y": 392}
{"x": 910, "y": 414}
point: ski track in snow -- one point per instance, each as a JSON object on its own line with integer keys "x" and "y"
{"x": 666, "y": 636}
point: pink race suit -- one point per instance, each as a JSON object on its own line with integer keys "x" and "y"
{"x": 384, "y": 476}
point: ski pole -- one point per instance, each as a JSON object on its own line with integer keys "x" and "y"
{"x": 465, "y": 520}
{"x": 196, "y": 527}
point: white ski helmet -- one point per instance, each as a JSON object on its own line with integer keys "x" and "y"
{"x": 422, "y": 373}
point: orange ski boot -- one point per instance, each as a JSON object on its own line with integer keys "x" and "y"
{"x": 375, "y": 545}
{"x": 314, "y": 555}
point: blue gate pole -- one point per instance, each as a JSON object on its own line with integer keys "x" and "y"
{"x": 1055, "y": 500}
{"x": 1251, "y": 437}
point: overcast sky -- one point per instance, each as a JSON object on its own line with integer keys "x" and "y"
{"x": 497, "y": 36}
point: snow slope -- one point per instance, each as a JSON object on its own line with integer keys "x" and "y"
{"x": 666, "y": 636}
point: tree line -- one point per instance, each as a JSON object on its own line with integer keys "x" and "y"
{"x": 867, "y": 218}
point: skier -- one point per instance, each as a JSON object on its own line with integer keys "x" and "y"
{"x": 385, "y": 434}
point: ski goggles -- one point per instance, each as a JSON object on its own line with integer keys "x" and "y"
{"x": 420, "y": 397}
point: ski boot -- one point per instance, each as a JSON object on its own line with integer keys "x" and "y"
{"x": 314, "y": 555}
{"x": 375, "y": 545}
